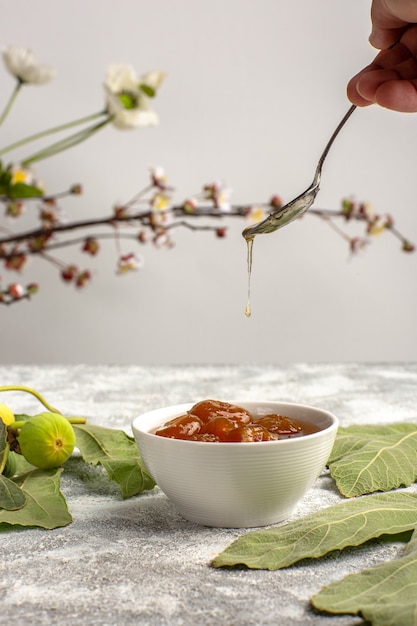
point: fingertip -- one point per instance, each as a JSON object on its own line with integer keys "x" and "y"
{"x": 354, "y": 95}
{"x": 384, "y": 38}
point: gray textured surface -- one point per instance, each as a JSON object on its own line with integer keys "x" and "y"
{"x": 137, "y": 561}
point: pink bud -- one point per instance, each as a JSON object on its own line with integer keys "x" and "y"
{"x": 49, "y": 201}
{"x": 16, "y": 262}
{"x": 276, "y": 202}
{"x": 15, "y": 291}
{"x": 348, "y": 208}
{"x": 49, "y": 216}
{"x": 14, "y": 208}
{"x": 119, "y": 212}
{"x": 91, "y": 246}
{"x": 408, "y": 246}
{"x": 68, "y": 273}
{"x": 83, "y": 278}
{"x": 143, "y": 236}
{"x": 189, "y": 205}
{"x": 32, "y": 288}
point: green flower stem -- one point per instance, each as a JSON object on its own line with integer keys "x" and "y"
{"x": 66, "y": 143}
{"x": 11, "y": 101}
{"x": 50, "y": 131}
{"x": 31, "y": 391}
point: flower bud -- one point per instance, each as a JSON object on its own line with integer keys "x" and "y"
{"x": 15, "y": 291}
{"x": 14, "y": 208}
{"x": 69, "y": 273}
{"x": 32, "y": 288}
{"x": 16, "y": 262}
{"x": 120, "y": 212}
{"x": 408, "y": 246}
{"x": 76, "y": 190}
{"x": 276, "y": 202}
{"x": 143, "y": 236}
{"x": 189, "y": 206}
{"x": 82, "y": 279}
{"x": 91, "y": 246}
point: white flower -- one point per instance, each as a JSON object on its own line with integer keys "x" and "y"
{"x": 160, "y": 202}
{"x": 127, "y": 96}
{"x": 21, "y": 63}
{"x": 158, "y": 177}
{"x": 379, "y": 224}
{"x": 219, "y": 194}
{"x": 152, "y": 80}
{"x": 128, "y": 263}
{"x": 256, "y": 214}
{"x": 26, "y": 175}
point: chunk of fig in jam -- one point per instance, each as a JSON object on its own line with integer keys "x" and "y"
{"x": 182, "y": 427}
{"x": 250, "y": 432}
{"x": 279, "y": 424}
{"x": 219, "y": 427}
{"x": 207, "y": 410}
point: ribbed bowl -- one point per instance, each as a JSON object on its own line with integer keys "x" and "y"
{"x": 236, "y": 485}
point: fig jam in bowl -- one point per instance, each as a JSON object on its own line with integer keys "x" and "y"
{"x": 245, "y": 479}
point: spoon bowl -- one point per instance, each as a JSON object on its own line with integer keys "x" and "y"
{"x": 295, "y": 208}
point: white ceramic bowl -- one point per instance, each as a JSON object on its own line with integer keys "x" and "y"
{"x": 236, "y": 485}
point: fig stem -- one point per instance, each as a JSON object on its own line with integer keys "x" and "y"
{"x": 71, "y": 420}
{"x": 31, "y": 391}
{"x": 77, "y": 420}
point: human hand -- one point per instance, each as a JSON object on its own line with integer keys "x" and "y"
{"x": 391, "y": 79}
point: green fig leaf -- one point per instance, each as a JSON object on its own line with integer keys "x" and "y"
{"x": 11, "y": 496}
{"x": 45, "y": 505}
{"x": 5, "y": 181}
{"x": 412, "y": 544}
{"x": 118, "y": 454}
{"x": 22, "y": 190}
{"x": 373, "y": 458}
{"x": 349, "y": 523}
{"x": 385, "y": 595}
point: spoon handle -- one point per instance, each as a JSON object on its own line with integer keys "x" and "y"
{"x": 329, "y": 144}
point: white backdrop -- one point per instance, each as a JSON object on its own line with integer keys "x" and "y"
{"x": 254, "y": 90}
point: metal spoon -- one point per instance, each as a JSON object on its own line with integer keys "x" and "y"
{"x": 300, "y": 204}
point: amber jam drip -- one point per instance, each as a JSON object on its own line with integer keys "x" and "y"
{"x": 249, "y": 243}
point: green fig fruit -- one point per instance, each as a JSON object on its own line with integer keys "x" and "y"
{"x": 47, "y": 440}
{"x": 6, "y": 414}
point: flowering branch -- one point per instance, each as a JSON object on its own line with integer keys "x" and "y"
{"x": 151, "y": 216}
{"x": 374, "y": 224}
